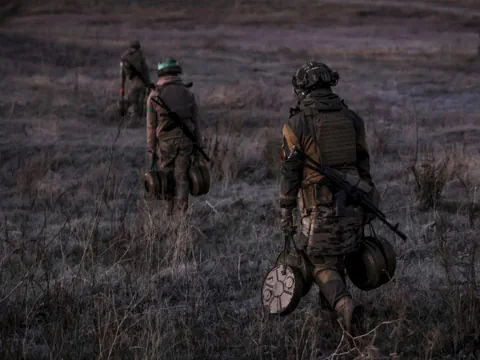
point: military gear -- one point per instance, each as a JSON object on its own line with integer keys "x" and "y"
{"x": 176, "y": 155}
{"x": 352, "y": 314}
{"x": 134, "y": 68}
{"x": 286, "y": 221}
{"x": 282, "y": 290}
{"x": 288, "y": 281}
{"x": 331, "y": 225}
{"x": 298, "y": 128}
{"x": 296, "y": 258}
{"x": 178, "y": 122}
{"x": 329, "y": 234}
{"x": 164, "y": 133}
{"x": 356, "y": 190}
{"x": 160, "y": 125}
{"x": 135, "y": 44}
{"x": 159, "y": 185}
{"x": 153, "y": 160}
{"x": 329, "y": 275}
{"x": 311, "y": 76}
{"x": 198, "y": 179}
{"x": 134, "y": 65}
{"x": 373, "y": 265}
{"x": 317, "y": 198}
{"x": 169, "y": 66}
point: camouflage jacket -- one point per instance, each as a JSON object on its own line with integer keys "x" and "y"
{"x": 340, "y": 143}
{"x": 180, "y": 100}
{"x": 134, "y": 67}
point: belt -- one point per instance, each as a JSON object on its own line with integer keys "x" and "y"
{"x": 317, "y": 194}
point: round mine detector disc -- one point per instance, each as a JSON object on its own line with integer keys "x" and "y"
{"x": 282, "y": 290}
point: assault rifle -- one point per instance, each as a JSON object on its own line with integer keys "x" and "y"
{"x": 174, "y": 116}
{"x": 356, "y": 195}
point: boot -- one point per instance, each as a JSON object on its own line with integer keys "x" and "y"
{"x": 181, "y": 206}
{"x": 170, "y": 206}
{"x": 181, "y": 196}
{"x": 326, "y": 311}
{"x": 352, "y": 314}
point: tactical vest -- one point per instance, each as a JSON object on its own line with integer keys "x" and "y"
{"x": 179, "y": 99}
{"x": 132, "y": 63}
{"x": 335, "y": 137}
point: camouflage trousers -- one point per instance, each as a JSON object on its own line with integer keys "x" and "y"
{"x": 327, "y": 239}
{"x": 176, "y": 156}
{"x": 137, "y": 101}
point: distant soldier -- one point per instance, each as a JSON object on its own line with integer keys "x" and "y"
{"x": 164, "y": 132}
{"x": 323, "y": 128}
{"x": 134, "y": 68}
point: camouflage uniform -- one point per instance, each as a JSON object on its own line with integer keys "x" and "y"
{"x": 175, "y": 148}
{"x": 323, "y": 128}
{"x": 134, "y": 68}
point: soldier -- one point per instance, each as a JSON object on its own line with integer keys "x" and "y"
{"x": 323, "y": 128}
{"x": 176, "y": 149}
{"x": 134, "y": 67}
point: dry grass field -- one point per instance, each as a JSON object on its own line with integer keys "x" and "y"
{"x": 89, "y": 270}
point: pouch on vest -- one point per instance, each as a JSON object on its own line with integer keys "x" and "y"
{"x": 365, "y": 186}
{"x": 316, "y": 194}
{"x": 335, "y": 137}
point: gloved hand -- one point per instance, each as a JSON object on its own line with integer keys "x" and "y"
{"x": 287, "y": 222}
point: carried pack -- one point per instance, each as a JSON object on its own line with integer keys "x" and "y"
{"x": 287, "y": 281}
{"x": 159, "y": 184}
{"x": 373, "y": 264}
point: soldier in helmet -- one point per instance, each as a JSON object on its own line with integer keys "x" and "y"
{"x": 164, "y": 133}
{"x": 323, "y": 128}
{"x": 134, "y": 68}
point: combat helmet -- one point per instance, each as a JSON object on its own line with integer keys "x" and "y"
{"x": 169, "y": 66}
{"x": 135, "y": 44}
{"x": 313, "y": 75}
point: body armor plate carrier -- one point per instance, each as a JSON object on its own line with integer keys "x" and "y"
{"x": 335, "y": 136}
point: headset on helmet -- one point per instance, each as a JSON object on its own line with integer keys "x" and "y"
{"x": 313, "y": 75}
{"x": 169, "y": 66}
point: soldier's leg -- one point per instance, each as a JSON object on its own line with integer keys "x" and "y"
{"x": 327, "y": 275}
{"x": 168, "y": 153}
{"x": 182, "y": 165}
{"x": 136, "y": 98}
{"x": 329, "y": 270}
{"x": 306, "y": 227}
